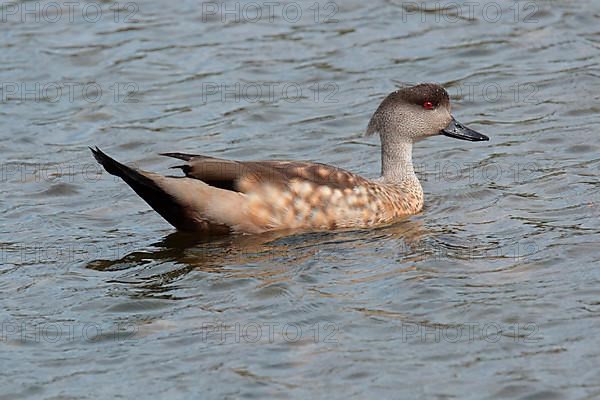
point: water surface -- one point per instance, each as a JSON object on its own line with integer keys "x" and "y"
{"x": 493, "y": 291}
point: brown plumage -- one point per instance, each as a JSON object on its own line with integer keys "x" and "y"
{"x": 219, "y": 196}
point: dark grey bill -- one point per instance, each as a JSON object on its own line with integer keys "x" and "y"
{"x": 457, "y": 130}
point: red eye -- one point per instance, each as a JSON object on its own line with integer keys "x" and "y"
{"x": 428, "y": 105}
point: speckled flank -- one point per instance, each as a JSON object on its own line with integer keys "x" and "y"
{"x": 304, "y": 205}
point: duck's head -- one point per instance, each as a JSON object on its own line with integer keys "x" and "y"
{"x": 416, "y": 112}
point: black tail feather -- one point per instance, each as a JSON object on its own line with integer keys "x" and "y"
{"x": 128, "y": 174}
{"x": 149, "y": 190}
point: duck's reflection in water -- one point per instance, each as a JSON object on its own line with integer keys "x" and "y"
{"x": 268, "y": 257}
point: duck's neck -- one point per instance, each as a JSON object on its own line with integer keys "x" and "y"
{"x": 396, "y": 164}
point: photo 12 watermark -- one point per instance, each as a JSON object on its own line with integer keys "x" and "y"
{"x": 249, "y": 332}
{"x": 489, "y": 91}
{"x": 32, "y": 172}
{"x": 469, "y": 332}
{"x": 70, "y": 12}
{"x": 518, "y": 251}
{"x": 269, "y": 12}
{"x": 66, "y": 332}
{"x": 494, "y": 92}
{"x": 491, "y": 172}
{"x": 34, "y": 252}
{"x": 454, "y": 12}
{"x": 70, "y": 92}
{"x": 269, "y": 92}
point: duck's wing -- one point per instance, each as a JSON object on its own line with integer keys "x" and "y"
{"x": 247, "y": 176}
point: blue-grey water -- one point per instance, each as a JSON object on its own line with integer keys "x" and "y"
{"x": 493, "y": 291}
